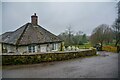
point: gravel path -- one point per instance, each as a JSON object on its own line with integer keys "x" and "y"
{"x": 103, "y": 66}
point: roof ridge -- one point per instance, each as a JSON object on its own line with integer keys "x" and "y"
{"x": 38, "y": 32}
{"x": 46, "y": 30}
{"x": 18, "y": 40}
{"x": 50, "y": 33}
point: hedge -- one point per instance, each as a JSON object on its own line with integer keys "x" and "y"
{"x": 109, "y": 48}
{"x": 46, "y": 57}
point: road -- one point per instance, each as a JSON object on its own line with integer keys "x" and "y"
{"x": 91, "y": 67}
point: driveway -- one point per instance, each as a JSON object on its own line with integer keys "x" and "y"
{"x": 103, "y": 66}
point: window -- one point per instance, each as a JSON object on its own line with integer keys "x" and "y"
{"x": 54, "y": 46}
{"x": 29, "y": 49}
{"x": 32, "y": 49}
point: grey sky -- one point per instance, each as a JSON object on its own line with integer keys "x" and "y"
{"x": 57, "y": 16}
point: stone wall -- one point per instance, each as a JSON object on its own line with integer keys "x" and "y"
{"x": 45, "y": 57}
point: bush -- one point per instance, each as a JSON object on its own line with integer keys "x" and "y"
{"x": 109, "y": 48}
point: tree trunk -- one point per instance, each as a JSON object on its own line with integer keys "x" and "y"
{"x": 101, "y": 46}
{"x": 118, "y": 49}
{"x": 117, "y": 43}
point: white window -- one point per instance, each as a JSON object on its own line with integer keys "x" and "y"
{"x": 29, "y": 49}
{"x": 32, "y": 49}
{"x": 54, "y": 46}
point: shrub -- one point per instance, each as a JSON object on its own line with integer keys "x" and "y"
{"x": 109, "y": 48}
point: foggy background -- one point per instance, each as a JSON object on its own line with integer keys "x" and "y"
{"x": 58, "y": 16}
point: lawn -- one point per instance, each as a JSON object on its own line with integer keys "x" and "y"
{"x": 85, "y": 46}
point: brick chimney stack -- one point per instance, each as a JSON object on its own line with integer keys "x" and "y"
{"x": 34, "y": 19}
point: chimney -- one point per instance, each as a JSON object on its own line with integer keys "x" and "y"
{"x": 34, "y": 19}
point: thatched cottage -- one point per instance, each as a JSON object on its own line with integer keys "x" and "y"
{"x": 29, "y": 38}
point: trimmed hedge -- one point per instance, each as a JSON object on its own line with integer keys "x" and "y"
{"x": 46, "y": 57}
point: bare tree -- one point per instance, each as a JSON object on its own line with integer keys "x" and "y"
{"x": 116, "y": 26}
{"x": 71, "y": 38}
{"x": 101, "y": 34}
{"x": 108, "y": 35}
{"x": 70, "y": 32}
{"x": 67, "y": 36}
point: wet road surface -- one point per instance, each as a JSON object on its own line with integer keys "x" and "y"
{"x": 103, "y": 66}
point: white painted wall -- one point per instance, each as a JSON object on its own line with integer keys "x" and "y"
{"x": 38, "y": 48}
{"x": 43, "y": 48}
{"x": 22, "y": 49}
{"x": 10, "y": 48}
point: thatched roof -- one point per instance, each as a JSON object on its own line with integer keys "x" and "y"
{"x": 29, "y": 34}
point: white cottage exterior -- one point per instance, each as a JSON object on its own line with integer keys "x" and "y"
{"x": 29, "y": 38}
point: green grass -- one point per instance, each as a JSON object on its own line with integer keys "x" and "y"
{"x": 85, "y": 46}
{"x": 110, "y": 44}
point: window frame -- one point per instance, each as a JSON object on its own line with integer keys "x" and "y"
{"x": 32, "y": 48}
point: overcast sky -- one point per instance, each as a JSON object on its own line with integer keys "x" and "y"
{"x": 57, "y": 16}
